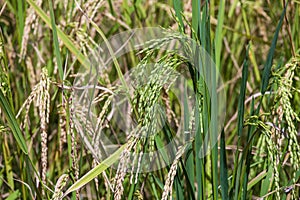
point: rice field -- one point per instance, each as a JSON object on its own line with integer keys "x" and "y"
{"x": 191, "y": 99}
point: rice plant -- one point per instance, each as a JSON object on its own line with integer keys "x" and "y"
{"x": 149, "y": 99}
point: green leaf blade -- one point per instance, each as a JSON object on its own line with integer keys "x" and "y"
{"x": 268, "y": 64}
{"x": 96, "y": 171}
{"x": 12, "y": 122}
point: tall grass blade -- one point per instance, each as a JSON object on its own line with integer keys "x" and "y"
{"x": 268, "y": 64}
{"x": 12, "y": 122}
{"x": 256, "y": 179}
{"x": 199, "y": 161}
{"x": 195, "y": 17}
{"x": 178, "y": 12}
{"x": 219, "y": 35}
{"x": 21, "y": 19}
{"x": 96, "y": 171}
{"x": 248, "y": 155}
{"x": 8, "y": 164}
{"x": 223, "y": 167}
{"x": 214, "y": 130}
{"x": 55, "y": 40}
{"x": 268, "y": 181}
{"x": 194, "y": 74}
{"x": 204, "y": 26}
{"x": 241, "y": 108}
{"x": 178, "y": 186}
{"x": 189, "y": 153}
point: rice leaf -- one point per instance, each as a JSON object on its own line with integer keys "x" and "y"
{"x": 241, "y": 108}
{"x": 251, "y": 130}
{"x": 55, "y": 40}
{"x": 21, "y": 19}
{"x": 268, "y": 64}
{"x": 12, "y": 122}
{"x": 219, "y": 35}
{"x": 223, "y": 167}
{"x": 268, "y": 181}
{"x": 178, "y": 12}
{"x": 96, "y": 171}
{"x": 257, "y": 179}
{"x": 8, "y": 164}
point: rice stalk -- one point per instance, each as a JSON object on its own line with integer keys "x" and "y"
{"x": 171, "y": 175}
{"x": 94, "y": 164}
{"x": 43, "y": 100}
{"x": 4, "y": 76}
{"x": 31, "y": 23}
{"x": 273, "y": 153}
{"x": 71, "y": 133}
{"x": 32, "y": 74}
{"x": 62, "y": 123}
{"x": 286, "y": 116}
{"x": 121, "y": 171}
{"x": 40, "y": 94}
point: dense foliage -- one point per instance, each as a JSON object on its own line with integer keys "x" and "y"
{"x": 51, "y": 147}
